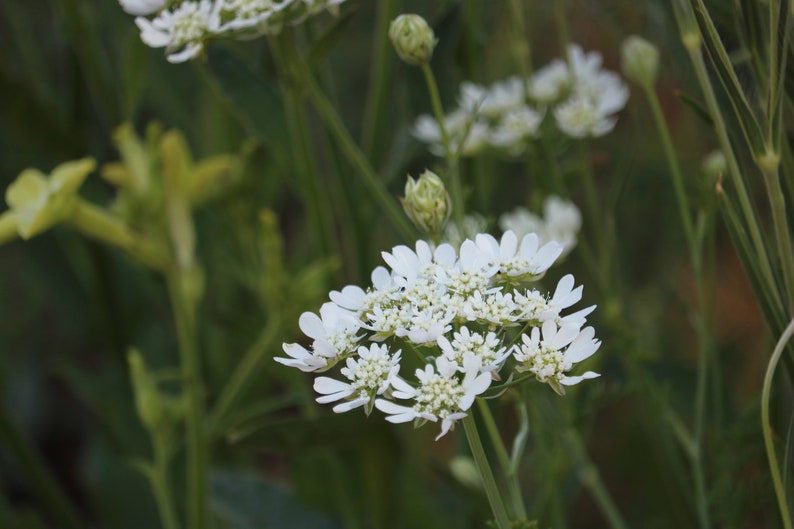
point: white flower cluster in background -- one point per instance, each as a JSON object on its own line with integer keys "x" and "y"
{"x": 466, "y": 316}
{"x": 183, "y": 28}
{"x": 561, "y": 222}
{"x": 581, "y": 97}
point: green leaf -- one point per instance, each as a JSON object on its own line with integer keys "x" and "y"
{"x": 727, "y": 75}
{"x": 245, "y": 501}
{"x": 255, "y": 101}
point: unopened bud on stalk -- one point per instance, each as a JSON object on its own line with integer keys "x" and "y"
{"x": 715, "y": 164}
{"x": 640, "y": 60}
{"x": 427, "y": 202}
{"x": 413, "y": 39}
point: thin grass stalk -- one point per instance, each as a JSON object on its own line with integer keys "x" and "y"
{"x": 780, "y": 490}
{"x": 483, "y": 467}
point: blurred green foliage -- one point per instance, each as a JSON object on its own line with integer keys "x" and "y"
{"x": 72, "y": 71}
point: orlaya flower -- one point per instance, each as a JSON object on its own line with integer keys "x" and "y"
{"x": 551, "y": 351}
{"x": 442, "y": 393}
{"x": 369, "y": 375}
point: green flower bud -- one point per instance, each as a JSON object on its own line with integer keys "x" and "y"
{"x": 427, "y": 202}
{"x": 465, "y": 471}
{"x": 148, "y": 402}
{"x": 413, "y": 39}
{"x": 38, "y": 201}
{"x": 640, "y": 60}
{"x": 715, "y": 165}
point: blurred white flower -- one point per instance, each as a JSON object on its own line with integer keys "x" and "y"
{"x": 561, "y": 222}
{"x": 550, "y": 83}
{"x": 142, "y": 7}
{"x": 181, "y": 32}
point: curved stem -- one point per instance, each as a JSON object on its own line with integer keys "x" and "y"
{"x": 489, "y": 483}
{"x": 161, "y": 484}
{"x": 780, "y": 491}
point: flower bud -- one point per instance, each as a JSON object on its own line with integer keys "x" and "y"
{"x": 715, "y": 165}
{"x": 413, "y": 39}
{"x": 427, "y": 202}
{"x": 640, "y": 60}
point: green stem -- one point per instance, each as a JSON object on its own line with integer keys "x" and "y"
{"x": 692, "y": 44}
{"x": 247, "y": 370}
{"x": 770, "y": 166}
{"x": 184, "y": 309}
{"x": 334, "y": 123}
{"x": 766, "y": 425}
{"x": 591, "y": 479}
{"x": 38, "y": 476}
{"x": 456, "y": 187}
{"x": 161, "y": 487}
{"x": 704, "y": 338}
{"x": 484, "y": 468}
{"x": 513, "y": 485}
{"x": 672, "y": 162}
{"x": 380, "y": 73}
{"x": 603, "y": 271}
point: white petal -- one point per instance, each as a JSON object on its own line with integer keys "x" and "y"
{"x": 327, "y": 386}
{"x": 311, "y": 325}
{"x": 570, "y": 381}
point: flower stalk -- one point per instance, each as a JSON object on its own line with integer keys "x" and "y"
{"x": 488, "y": 481}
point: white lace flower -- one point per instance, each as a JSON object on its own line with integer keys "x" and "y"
{"x": 494, "y": 101}
{"x": 488, "y": 348}
{"x": 529, "y": 261}
{"x": 335, "y": 326}
{"x": 233, "y": 15}
{"x": 321, "y": 358}
{"x": 181, "y": 32}
{"x": 440, "y": 395}
{"x": 369, "y": 375}
{"x": 471, "y": 273}
{"x": 561, "y": 222}
{"x": 550, "y": 352}
{"x": 142, "y": 7}
{"x": 467, "y": 133}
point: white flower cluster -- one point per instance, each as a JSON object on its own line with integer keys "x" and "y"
{"x": 465, "y": 315}
{"x": 582, "y": 97}
{"x": 183, "y": 28}
{"x": 561, "y": 222}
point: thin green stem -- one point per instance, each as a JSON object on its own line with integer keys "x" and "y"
{"x": 38, "y": 476}
{"x": 675, "y": 169}
{"x": 379, "y": 74}
{"x": 247, "y": 370}
{"x": 594, "y": 209}
{"x": 704, "y": 338}
{"x": 513, "y": 485}
{"x": 770, "y": 166}
{"x": 721, "y": 130}
{"x": 161, "y": 484}
{"x": 484, "y": 468}
{"x": 184, "y": 308}
{"x": 453, "y": 177}
{"x": 766, "y": 425}
{"x": 334, "y": 123}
